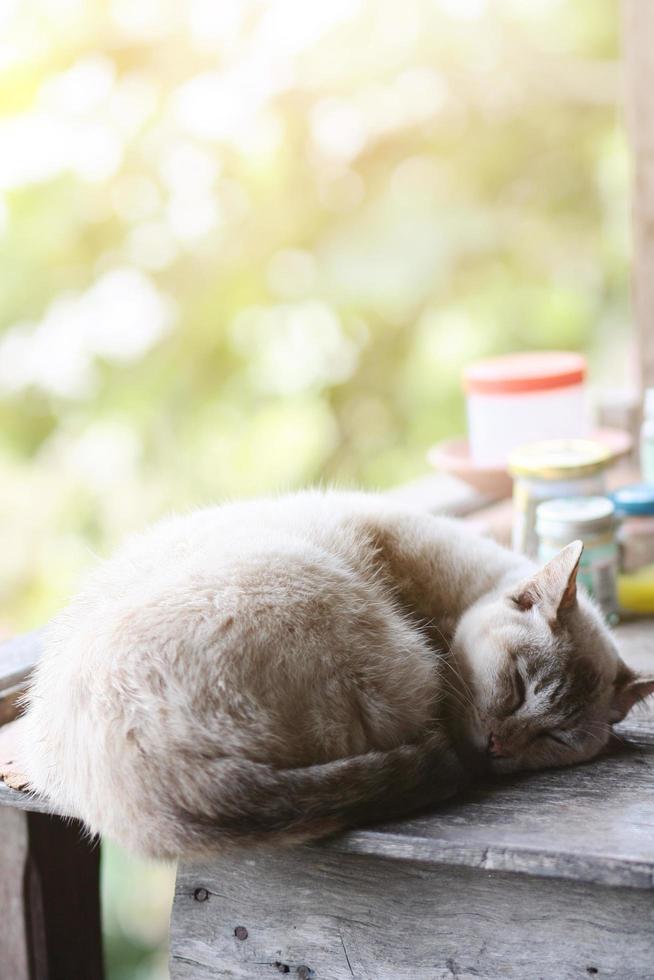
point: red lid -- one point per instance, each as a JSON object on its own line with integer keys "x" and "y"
{"x": 533, "y": 371}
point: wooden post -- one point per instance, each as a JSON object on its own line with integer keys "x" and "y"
{"x": 639, "y": 56}
{"x": 49, "y": 899}
{"x": 49, "y": 871}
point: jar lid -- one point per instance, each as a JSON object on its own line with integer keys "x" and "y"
{"x": 574, "y": 516}
{"x": 530, "y": 371}
{"x": 559, "y": 459}
{"x": 637, "y": 499}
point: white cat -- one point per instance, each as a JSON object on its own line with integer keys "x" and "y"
{"x": 285, "y": 668}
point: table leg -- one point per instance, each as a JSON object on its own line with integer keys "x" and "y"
{"x": 49, "y": 899}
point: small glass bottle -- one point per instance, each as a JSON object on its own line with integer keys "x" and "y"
{"x": 647, "y": 437}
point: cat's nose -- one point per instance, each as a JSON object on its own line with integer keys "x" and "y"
{"x": 495, "y": 747}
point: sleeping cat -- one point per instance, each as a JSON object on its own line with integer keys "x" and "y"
{"x": 281, "y": 669}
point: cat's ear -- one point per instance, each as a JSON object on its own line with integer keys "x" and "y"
{"x": 628, "y": 689}
{"x": 553, "y": 587}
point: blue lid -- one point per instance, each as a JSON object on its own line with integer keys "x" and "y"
{"x": 637, "y": 499}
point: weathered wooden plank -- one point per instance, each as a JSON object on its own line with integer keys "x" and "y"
{"x": 314, "y": 913}
{"x": 49, "y": 897}
{"x": 25, "y": 801}
{"x": 638, "y": 33}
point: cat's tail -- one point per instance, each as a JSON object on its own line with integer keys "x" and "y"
{"x": 251, "y": 801}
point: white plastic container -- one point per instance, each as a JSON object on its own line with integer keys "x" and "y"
{"x": 522, "y": 398}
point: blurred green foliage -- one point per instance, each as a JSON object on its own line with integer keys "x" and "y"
{"x": 249, "y": 245}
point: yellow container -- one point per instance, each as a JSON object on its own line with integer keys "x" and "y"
{"x": 636, "y": 590}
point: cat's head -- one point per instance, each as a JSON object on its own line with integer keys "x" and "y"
{"x": 542, "y": 671}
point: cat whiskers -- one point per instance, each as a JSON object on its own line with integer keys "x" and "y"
{"x": 463, "y": 690}
{"x": 601, "y": 729}
{"x": 458, "y": 696}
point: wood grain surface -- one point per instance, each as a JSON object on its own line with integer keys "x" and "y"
{"x": 314, "y": 913}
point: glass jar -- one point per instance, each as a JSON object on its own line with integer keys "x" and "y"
{"x": 547, "y": 470}
{"x": 591, "y": 520}
{"x": 634, "y": 506}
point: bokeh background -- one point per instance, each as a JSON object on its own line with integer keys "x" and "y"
{"x": 249, "y": 244}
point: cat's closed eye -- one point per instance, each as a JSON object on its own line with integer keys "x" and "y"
{"x": 519, "y": 694}
{"x": 555, "y": 737}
